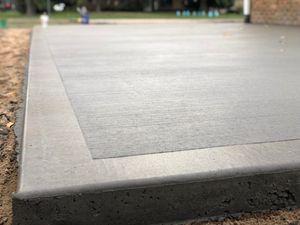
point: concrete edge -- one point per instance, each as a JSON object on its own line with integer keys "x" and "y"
{"x": 159, "y": 181}
{"x": 20, "y": 113}
{"x": 164, "y": 204}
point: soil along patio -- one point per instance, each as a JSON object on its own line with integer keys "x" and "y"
{"x": 135, "y": 124}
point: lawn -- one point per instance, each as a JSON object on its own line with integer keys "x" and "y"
{"x": 116, "y": 15}
{"x": 16, "y": 19}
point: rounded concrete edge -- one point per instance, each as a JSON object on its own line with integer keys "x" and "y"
{"x": 159, "y": 181}
{"x": 162, "y": 203}
{"x": 20, "y": 114}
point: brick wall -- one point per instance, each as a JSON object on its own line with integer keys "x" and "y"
{"x": 276, "y": 12}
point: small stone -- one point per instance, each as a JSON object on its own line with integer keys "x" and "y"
{"x": 221, "y": 218}
{"x": 3, "y": 119}
{"x": 296, "y": 222}
{"x": 3, "y": 131}
{"x": 9, "y": 124}
{"x": 3, "y": 221}
{"x": 12, "y": 108}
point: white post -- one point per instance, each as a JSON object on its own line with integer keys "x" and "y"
{"x": 247, "y": 10}
{"x": 44, "y": 20}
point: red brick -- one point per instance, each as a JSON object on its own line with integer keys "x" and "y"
{"x": 276, "y": 11}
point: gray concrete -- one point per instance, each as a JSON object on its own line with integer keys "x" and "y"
{"x": 163, "y": 89}
{"x": 136, "y": 124}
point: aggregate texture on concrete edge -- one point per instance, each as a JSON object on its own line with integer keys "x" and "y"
{"x": 183, "y": 185}
{"x": 160, "y": 204}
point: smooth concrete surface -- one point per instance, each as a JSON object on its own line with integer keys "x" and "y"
{"x": 163, "y": 88}
{"x": 147, "y": 124}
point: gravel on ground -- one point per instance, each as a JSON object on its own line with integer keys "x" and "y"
{"x": 13, "y": 58}
{"x": 280, "y": 217}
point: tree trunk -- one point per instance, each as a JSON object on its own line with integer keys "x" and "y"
{"x": 152, "y": 5}
{"x": 204, "y": 5}
{"x": 98, "y": 5}
{"x": 30, "y": 9}
{"x": 148, "y": 5}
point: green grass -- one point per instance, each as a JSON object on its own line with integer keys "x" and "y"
{"x": 10, "y": 14}
{"x": 147, "y": 15}
{"x": 113, "y": 15}
{"x": 16, "y": 19}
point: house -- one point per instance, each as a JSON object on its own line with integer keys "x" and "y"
{"x": 286, "y": 12}
{"x": 6, "y": 4}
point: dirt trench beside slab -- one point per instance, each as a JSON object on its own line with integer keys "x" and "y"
{"x": 281, "y": 217}
{"x": 14, "y": 46}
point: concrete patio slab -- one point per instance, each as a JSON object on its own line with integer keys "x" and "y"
{"x": 148, "y": 124}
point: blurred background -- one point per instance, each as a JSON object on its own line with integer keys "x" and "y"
{"x": 30, "y": 7}
{"x": 25, "y": 13}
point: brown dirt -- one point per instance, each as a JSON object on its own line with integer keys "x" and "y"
{"x": 281, "y": 217}
{"x": 13, "y": 58}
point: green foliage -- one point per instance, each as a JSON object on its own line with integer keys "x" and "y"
{"x": 221, "y": 3}
{"x": 21, "y": 6}
{"x": 82, "y": 2}
{"x": 39, "y": 6}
